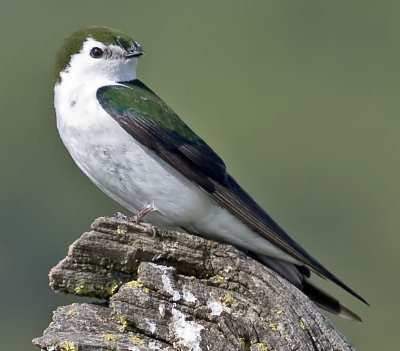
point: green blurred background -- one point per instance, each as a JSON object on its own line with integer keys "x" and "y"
{"x": 300, "y": 98}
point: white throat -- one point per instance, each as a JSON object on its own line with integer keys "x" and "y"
{"x": 83, "y": 77}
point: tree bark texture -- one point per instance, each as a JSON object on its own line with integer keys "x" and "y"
{"x": 165, "y": 290}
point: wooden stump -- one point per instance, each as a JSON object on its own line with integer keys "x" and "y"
{"x": 165, "y": 290}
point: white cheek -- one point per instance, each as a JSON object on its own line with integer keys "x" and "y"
{"x": 84, "y": 67}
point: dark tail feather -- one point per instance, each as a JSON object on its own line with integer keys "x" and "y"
{"x": 298, "y": 276}
{"x": 327, "y": 302}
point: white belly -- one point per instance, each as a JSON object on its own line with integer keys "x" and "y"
{"x": 134, "y": 176}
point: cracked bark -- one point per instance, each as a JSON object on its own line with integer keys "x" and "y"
{"x": 164, "y": 290}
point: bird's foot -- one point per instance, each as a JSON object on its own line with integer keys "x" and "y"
{"x": 122, "y": 217}
{"x": 138, "y": 218}
{"x": 142, "y": 213}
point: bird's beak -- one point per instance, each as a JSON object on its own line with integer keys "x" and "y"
{"x": 134, "y": 51}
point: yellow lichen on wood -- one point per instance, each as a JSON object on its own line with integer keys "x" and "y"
{"x": 221, "y": 278}
{"x": 227, "y": 300}
{"x": 121, "y": 229}
{"x": 136, "y": 340}
{"x": 303, "y": 325}
{"x": 138, "y": 285}
{"x": 69, "y": 346}
{"x": 227, "y": 269}
{"x": 113, "y": 288}
{"x": 135, "y": 284}
{"x": 273, "y": 326}
{"x": 71, "y": 312}
{"x": 81, "y": 289}
{"x": 262, "y": 346}
{"x": 110, "y": 337}
{"x": 123, "y": 322}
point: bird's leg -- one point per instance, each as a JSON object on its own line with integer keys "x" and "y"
{"x": 137, "y": 219}
{"x": 141, "y": 214}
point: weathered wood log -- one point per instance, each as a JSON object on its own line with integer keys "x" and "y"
{"x": 164, "y": 290}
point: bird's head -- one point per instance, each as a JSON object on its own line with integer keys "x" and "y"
{"x": 98, "y": 52}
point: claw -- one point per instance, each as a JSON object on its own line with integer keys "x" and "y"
{"x": 120, "y": 216}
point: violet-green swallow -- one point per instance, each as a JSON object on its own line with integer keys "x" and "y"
{"x": 140, "y": 153}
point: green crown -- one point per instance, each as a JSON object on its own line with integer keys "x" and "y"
{"x": 73, "y": 44}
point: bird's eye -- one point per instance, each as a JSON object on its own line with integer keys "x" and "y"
{"x": 96, "y": 52}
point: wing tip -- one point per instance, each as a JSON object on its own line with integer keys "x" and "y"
{"x": 324, "y": 273}
{"x": 337, "y": 281}
{"x": 345, "y": 313}
{"x": 328, "y": 302}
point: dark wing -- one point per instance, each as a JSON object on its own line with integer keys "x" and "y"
{"x": 152, "y": 123}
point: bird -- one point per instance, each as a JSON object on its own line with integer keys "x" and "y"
{"x": 137, "y": 150}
